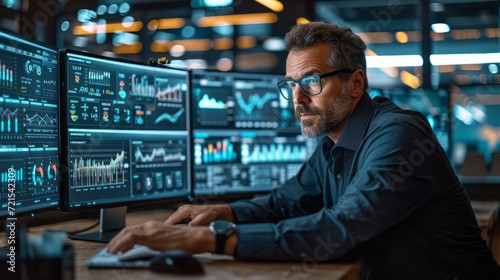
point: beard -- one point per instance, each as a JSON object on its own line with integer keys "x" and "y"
{"x": 331, "y": 120}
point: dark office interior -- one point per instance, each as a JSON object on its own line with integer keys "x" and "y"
{"x": 438, "y": 57}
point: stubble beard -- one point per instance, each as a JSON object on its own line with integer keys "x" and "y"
{"x": 329, "y": 121}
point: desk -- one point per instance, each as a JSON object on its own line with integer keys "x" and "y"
{"x": 214, "y": 271}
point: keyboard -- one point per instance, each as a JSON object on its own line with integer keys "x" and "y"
{"x": 105, "y": 259}
{"x": 140, "y": 257}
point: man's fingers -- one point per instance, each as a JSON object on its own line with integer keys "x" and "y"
{"x": 122, "y": 242}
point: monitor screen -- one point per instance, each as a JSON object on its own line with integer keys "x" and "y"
{"x": 246, "y": 139}
{"x": 28, "y": 126}
{"x": 476, "y": 127}
{"x": 125, "y": 134}
{"x": 432, "y": 103}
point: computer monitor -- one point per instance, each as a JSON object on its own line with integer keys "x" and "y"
{"x": 29, "y": 119}
{"x": 124, "y": 136}
{"x": 476, "y": 132}
{"x": 434, "y": 104}
{"x": 246, "y": 139}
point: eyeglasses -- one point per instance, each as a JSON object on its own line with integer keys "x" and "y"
{"x": 310, "y": 85}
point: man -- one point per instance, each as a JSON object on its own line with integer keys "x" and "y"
{"x": 379, "y": 188}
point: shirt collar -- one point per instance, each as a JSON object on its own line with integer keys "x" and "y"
{"x": 358, "y": 122}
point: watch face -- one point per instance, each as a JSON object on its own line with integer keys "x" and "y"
{"x": 222, "y": 227}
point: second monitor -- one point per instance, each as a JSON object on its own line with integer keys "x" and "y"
{"x": 246, "y": 139}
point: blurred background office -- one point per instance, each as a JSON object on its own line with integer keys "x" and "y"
{"x": 438, "y": 56}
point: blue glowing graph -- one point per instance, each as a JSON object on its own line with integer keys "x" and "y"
{"x": 9, "y": 121}
{"x": 40, "y": 120}
{"x": 171, "y": 118}
{"x": 206, "y": 102}
{"x": 6, "y": 176}
{"x": 158, "y": 155}
{"x": 254, "y": 101}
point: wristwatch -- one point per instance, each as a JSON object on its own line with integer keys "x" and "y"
{"x": 221, "y": 230}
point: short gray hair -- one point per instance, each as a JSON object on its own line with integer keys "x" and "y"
{"x": 347, "y": 48}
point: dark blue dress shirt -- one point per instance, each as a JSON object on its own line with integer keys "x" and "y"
{"x": 385, "y": 194}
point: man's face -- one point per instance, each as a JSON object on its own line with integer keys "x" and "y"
{"x": 327, "y": 112}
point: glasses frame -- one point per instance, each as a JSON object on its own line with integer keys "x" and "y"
{"x": 319, "y": 77}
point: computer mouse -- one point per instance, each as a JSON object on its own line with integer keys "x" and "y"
{"x": 177, "y": 261}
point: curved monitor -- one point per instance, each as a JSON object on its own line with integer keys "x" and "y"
{"x": 28, "y": 126}
{"x": 125, "y": 132}
{"x": 246, "y": 139}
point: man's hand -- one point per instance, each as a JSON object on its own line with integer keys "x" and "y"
{"x": 201, "y": 214}
{"x": 162, "y": 237}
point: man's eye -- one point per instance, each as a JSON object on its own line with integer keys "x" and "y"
{"x": 309, "y": 80}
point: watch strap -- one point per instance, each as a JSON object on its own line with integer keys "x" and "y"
{"x": 220, "y": 243}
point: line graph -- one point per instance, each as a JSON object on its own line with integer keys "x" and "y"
{"x": 173, "y": 118}
{"x": 158, "y": 155}
{"x": 37, "y": 119}
{"x": 254, "y": 101}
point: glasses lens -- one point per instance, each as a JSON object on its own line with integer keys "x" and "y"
{"x": 286, "y": 90}
{"x": 311, "y": 84}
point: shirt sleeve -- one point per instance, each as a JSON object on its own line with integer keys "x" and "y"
{"x": 394, "y": 176}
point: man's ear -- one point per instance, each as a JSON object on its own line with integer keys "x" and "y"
{"x": 357, "y": 83}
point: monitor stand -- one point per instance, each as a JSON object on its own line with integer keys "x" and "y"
{"x": 112, "y": 220}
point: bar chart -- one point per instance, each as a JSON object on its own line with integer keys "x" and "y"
{"x": 273, "y": 152}
{"x": 6, "y": 73}
{"x": 218, "y": 152}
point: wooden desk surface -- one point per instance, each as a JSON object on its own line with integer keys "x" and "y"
{"x": 216, "y": 270}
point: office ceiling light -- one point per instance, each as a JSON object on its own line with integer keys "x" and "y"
{"x": 223, "y": 44}
{"x": 237, "y": 19}
{"x": 440, "y": 27}
{"x": 409, "y": 79}
{"x": 492, "y": 32}
{"x": 107, "y": 28}
{"x": 493, "y": 68}
{"x": 437, "y": 36}
{"x": 464, "y": 34}
{"x": 128, "y": 48}
{"x": 171, "y": 23}
{"x": 189, "y": 45}
{"x": 274, "y": 5}
{"x": 274, "y": 44}
{"x": 393, "y": 61}
{"x": 302, "y": 20}
{"x": 217, "y": 3}
{"x": 464, "y": 58}
{"x": 401, "y": 37}
{"x": 437, "y": 7}
{"x": 376, "y": 37}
